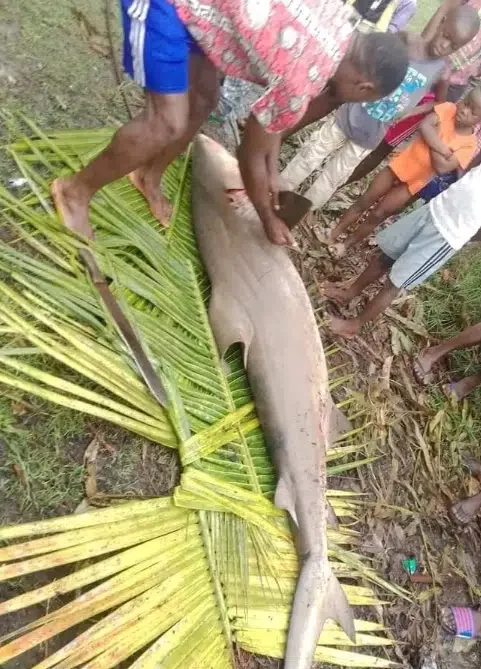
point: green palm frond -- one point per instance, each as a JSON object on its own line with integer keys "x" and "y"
{"x": 176, "y": 580}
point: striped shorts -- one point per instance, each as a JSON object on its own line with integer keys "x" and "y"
{"x": 416, "y": 246}
{"x": 157, "y": 46}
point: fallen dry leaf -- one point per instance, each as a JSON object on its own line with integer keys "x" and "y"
{"x": 21, "y": 474}
{"x": 90, "y": 462}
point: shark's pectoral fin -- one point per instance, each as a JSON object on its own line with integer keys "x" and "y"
{"x": 339, "y": 608}
{"x": 338, "y": 424}
{"x": 230, "y": 322}
{"x": 285, "y": 499}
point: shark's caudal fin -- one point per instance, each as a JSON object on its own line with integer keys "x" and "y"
{"x": 230, "y": 322}
{"x": 310, "y": 610}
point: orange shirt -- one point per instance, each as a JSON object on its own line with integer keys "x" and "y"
{"x": 413, "y": 166}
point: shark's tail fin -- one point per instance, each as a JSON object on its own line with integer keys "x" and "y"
{"x": 311, "y": 609}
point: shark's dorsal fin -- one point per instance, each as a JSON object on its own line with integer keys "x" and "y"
{"x": 285, "y": 499}
{"x": 230, "y": 322}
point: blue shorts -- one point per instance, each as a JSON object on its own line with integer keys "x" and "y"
{"x": 157, "y": 45}
{"x": 437, "y": 185}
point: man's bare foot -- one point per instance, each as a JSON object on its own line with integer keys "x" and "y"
{"x": 278, "y": 233}
{"x": 335, "y": 291}
{"x": 422, "y": 366}
{"x": 338, "y": 250}
{"x": 461, "y": 389}
{"x": 466, "y": 510}
{"x": 345, "y": 328}
{"x": 72, "y": 207}
{"x": 160, "y": 207}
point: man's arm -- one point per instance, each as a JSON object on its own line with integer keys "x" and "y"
{"x": 258, "y": 157}
{"x": 429, "y": 132}
{"x": 318, "y": 107}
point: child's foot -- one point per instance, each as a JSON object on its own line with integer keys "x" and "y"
{"x": 461, "y": 389}
{"x": 466, "y": 510}
{"x": 72, "y": 206}
{"x": 346, "y": 328}
{"x": 422, "y": 367}
{"x": 335, "y": 291}
{"x": 159, "y": 205}
{"x": 461, "y": 621}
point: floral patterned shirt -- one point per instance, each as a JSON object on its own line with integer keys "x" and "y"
{"x": 293, "y": 47}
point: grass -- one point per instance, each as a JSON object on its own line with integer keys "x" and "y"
{"x": 41, "y": 472}
{"x": 451, "y": 301}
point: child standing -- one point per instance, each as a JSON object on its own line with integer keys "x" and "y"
{"x": 464, "y": 66}
{"x": 350, "y": 134}
{"x": 447, "y": 142}
{"x": 412, "y": 249}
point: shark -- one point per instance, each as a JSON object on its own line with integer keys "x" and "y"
{"x": 259, "y": 300}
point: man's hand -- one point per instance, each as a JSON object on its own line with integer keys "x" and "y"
{"x": 258, "y": 158}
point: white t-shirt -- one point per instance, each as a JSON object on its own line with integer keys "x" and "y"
{"x": 456, "y": 211}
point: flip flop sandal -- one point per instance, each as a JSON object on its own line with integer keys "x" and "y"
{"x": 459, "y": 621}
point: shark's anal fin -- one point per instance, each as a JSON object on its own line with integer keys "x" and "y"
{"x": 331, "y": 515}
{"x": 230, "y": 322}
{"x": 339, "y": 608}
{"x": 285, "y": 499}
{"x": 338, "y": 424}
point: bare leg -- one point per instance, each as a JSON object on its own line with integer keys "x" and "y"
{"x": 429, "y": 357}
{"x": 461, "y": 389}
{"x": 203, "y": 95}
{"x": 382, "y": 183}
{"x": 394, "y": 201}
{"x": 373, "y": 160}
{"x": 341, "y": 293}
{"x": 161, "y": 128}
{"x": 350, "y": 328}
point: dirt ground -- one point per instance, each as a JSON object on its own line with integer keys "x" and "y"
{"x": 56, "y": 66}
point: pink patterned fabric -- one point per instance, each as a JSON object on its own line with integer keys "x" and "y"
{"x": 293, "y": 47}
{"x": 463, "y": 617}
{"x": 466, "y": 62}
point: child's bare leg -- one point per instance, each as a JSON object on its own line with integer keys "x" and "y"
{"x": 393, "y": 202}
{"x": 158, "y": 130}
{"x": 379, "y": 265}
{"x": 429, "y": 357}
{"x": 461, "y": 389}
{"x": 373, "y": 160}
{"x": 350, "y": 328}
{"x": 381, "y": 184}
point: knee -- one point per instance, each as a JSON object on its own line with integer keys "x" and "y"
{"x": 166, "y": 125}
{"x": 204, "y": 101}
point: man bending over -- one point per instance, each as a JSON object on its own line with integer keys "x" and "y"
{"x": 306, "y": 52}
